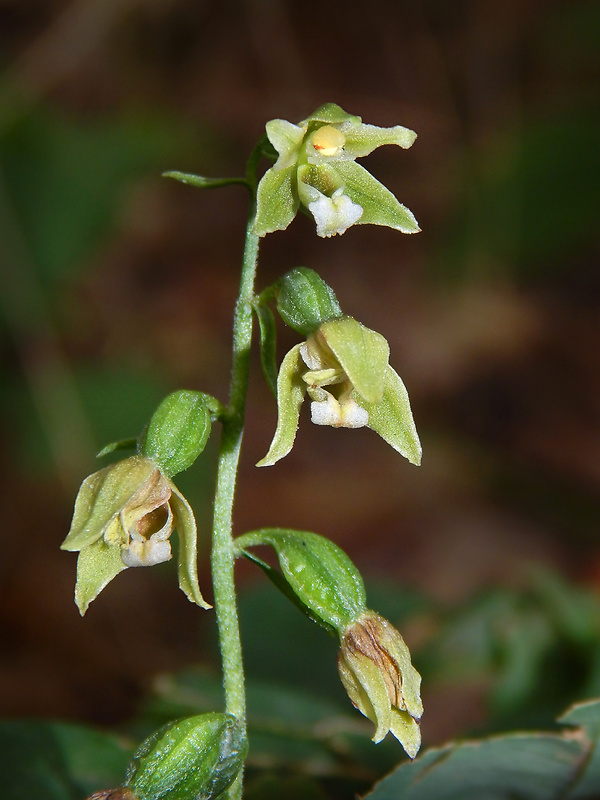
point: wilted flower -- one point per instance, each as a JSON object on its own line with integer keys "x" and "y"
{"x": 316, "y": 168}
{"x": 343, "y": 366}
{"x": 375, "y": 667}
{"x": 124, "y": 517}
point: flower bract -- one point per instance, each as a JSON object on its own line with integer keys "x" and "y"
{"x": 316, "y": 168}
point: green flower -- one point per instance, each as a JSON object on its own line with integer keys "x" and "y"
{"x": 343, "y": 367}
{"x": 124, "y": 517}
{"x": 316, "y": 168}
{"x": 375, "y": 667}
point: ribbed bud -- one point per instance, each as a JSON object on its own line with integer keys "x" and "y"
{"x": 193, "y": 759}
{"x": 317, "y": 573}
{"x": 304, "y": 300}
{"x": 178, "y": 431}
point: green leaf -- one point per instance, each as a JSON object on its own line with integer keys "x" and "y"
{"x": 177, "y": 432}
{"x": 97, "y": 565}
{"x": 185, "y": 525}
{"x": 527, "y": 766}
{"x": 392, "y": 418}
{"x": 268, "y": 342}
{"x": 201, "y": 182}
{"x": 290, "y": 394}
{"x": 114, "y": 447}
{"x": 41, "y": 760}
{"x": 362, "y": 353}
{"x": 319, "y": 573}
{"x": 379, "y": 205}
{"x": 276, "y": 200}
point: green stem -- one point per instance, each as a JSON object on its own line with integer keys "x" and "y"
{"x": 223, "y": 556}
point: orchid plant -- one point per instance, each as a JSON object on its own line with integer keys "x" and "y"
{"x": 126, "y": 513}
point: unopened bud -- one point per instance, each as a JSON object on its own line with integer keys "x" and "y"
{"x": 304, "y": 300}
{"x": 375, "y": 668}
{"x": 197, "y": 757}
{"x": 178, "y": 431}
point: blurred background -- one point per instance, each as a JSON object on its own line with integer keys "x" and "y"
{"x": 118, "y": 286}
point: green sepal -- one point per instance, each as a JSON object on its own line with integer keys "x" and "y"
{"x": 290, "y": 394}
{"x": 268, "y": 343}
{"x": 97, "y": 565}
{"x": 379, "y": 205}
{"x": 197, "y": 757}
{"x": 304, "y": 300}
{"x": 185, "y": 525}
{"x": 200, "y": 182}
{"x": 276, "y": 200}
{"x": 332, "y": 114}
{"x": 101, "y": 497}
{"x": 392, "y": 417}
{"x": 318, "y": 572}
{"x": 362, "y": 353}
{"x": 122, "y": 444}
{"x": 363, "y": 139}
{"x": 177, "y": 432}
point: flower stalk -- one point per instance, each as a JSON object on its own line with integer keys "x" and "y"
{"x": 223, "y": 555}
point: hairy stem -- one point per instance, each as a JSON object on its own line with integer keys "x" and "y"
{"x": 223, "y": 556}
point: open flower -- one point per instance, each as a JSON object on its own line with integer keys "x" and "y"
{"x": 124, "y": 517}
{"x": 343, "y": 367}
{"x": 375, "y": 667}
{"x": 316, "y": 168}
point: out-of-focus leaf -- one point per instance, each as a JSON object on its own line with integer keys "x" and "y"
{"x": 527, "y": 766}
{"x": 289, "y": 728}
{"x": 65, "y": 178}
{"x": 42, "y": 760}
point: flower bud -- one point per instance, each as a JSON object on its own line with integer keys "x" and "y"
{"x": 197, "y": 757}
{"x": 178, "y": 431}
{"x": 304, "y": 300}
{"x": 375, "y": 668}
{"x": 317, "y": 573}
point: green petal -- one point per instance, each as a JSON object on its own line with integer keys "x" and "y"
{"x": 102, "y": 495}
{"x": 331, "y": 114}
{"x": 407, "y": 731}
{"x": 362, "y": 353}
{"x": 392, "y": 418}
{"x": 373, "y": 684}
{"x": 276, "y": 200}
{"x": 290, "y": 393}
{"x": 286, "y": 138}
{"x": 363, "y": 139}
{"x": 97, "y": 565}
{"x": 380, "y": 207}
{"x": 187, "y": 569}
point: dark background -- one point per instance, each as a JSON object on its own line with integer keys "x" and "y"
{"x": 118, "y": 286}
